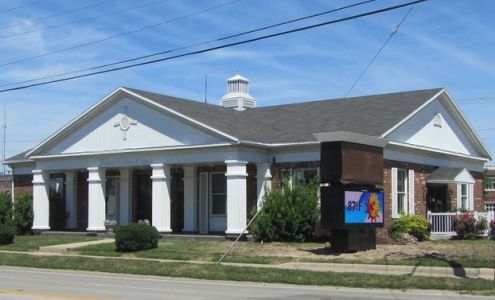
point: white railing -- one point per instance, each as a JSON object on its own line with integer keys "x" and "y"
{"x": 441, "y": 223}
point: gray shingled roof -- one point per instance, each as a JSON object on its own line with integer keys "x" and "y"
{"x": 289, "y": 123}
{"x": 444, "y": 174}
{"x": 21, "y": 157}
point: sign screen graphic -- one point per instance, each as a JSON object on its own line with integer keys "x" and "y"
{"x": 363, "y": 207}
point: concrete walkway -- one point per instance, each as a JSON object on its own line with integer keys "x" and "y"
{"x": 64, "y": 248}
{"x": 484, "y": 273}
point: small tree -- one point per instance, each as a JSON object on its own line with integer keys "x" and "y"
{"x": 23, "y": 213}
{"x": 289, "y": 213}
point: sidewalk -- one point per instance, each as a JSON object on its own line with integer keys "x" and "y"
{"x": 483, "y": 273}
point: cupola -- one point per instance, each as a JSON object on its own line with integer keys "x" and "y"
{"x": 237, "y": 95}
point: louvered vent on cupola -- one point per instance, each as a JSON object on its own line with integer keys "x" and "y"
{"x": 237, "y": 95}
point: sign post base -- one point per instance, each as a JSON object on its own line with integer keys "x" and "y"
{"x": 353, "y": 239}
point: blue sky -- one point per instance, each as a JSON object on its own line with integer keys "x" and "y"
{"x": 441, "y": 44}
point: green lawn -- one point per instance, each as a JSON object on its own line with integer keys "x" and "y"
{"x": 468, "y": 254}
{"x": 235, "y": 273}
{"x": 33, "y": 242}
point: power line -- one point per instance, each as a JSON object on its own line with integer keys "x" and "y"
{"x": 55, "y": 15}
{"x": 21, "y": 6}
{"x": 120, "y": 34}
{"x": 191, "y": 45}
{"x": 394, "y": 32}
{"x": 220, "y": 47}
{"x": 82, "y": 20}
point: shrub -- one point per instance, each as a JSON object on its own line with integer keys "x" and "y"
{"x": 5, "y": 209}
{"x": 467, "y": 227}
{"x": 289, "y": 213}
{"x": 57, "y": 211}
{"x": 134, "y": 237}
{"x": 23, "y": 213}
{"x": 7, "y": 233}
{"x": 415, "y": 225}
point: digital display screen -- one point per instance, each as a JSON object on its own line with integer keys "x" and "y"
{"x": 363, "y": 207}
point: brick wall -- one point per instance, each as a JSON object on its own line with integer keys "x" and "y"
{"x": 23, "y": 184}
{"x": 479, "y": 204}
{"x": 421, "y": 173}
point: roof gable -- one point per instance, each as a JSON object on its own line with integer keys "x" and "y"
{"x": 124, "y": 122}
{"x": 438, "y": 125}
{"x": 450, "y": 175}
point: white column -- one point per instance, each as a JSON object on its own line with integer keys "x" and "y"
{"x": 70, "y": 199}
{"x": 125, "y": 196}
{"x": 190, "y": 199}
{"x": 236, "y": 196}
{"x": 96, "y": 199}
{"x": 264, "y": 181}
{"x": 41, "y": 204}
{"x": 161, "y": 197}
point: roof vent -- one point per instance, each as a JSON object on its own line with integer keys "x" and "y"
{"x": 237, "y": 95}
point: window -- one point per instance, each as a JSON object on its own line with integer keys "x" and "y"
{"x": 464, "y": 196}
{"x": 218, "y": 194}
{"x": 489, "y": 183}
{"x": 402, "y": 189}
{"x": 299, "y": 174}
{"x": 490, "y": 206}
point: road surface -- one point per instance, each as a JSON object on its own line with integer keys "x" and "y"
{"x": 41, "y": 284}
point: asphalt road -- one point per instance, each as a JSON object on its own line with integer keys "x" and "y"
{"x": 40, "y": 284}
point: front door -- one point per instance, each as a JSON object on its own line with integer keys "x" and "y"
{"x": 203, "y": 203}
{"x": 437, "y": 198}
{"x": 112, "y": 197}
{"x": 82, "y": 200}
{"x": 177, "y": 200}
{"x": 142, "y": 201}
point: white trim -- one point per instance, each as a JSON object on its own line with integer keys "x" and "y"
{"x": 393, "y": 182}
{"x": 114, "y": 94}
{"x": 412, "y": 114}
{"x": 275, "y": 145}
{"x": 351, "y": 137}
{"x": 410, "y": 192}
{"x": 132, "y": 150}
{"x": 416, "y": 147}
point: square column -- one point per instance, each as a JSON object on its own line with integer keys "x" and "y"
{"x": 96, "y": 199}
{"x": 70, "y": 199}
{"x": 161, "y": 197}
{"x": 190, "y": 199}
{"x": 41, "y": 202}
{"x": 236, "y": 196}
{"x": 264, "y": 182}
{"x": 125, "y": 196}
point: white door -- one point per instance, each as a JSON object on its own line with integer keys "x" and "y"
{"x": 203, "y": 203}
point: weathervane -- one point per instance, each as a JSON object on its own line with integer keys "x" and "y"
{"x": 125, "y": 123}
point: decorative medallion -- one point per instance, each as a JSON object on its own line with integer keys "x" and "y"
{"x": 125, "y": 123}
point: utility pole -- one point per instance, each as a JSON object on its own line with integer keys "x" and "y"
{"x": 4, "y": 133}
{"x": 206, "y": 88}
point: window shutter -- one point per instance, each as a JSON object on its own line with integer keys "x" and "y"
{"x": 471, "y": 197}
{"x": 458, "y": 197}
{"x": 393, "y": 175}
{"x": 410, "y": 192}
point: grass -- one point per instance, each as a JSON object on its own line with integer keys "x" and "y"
{"x": 467, "y": 254}
{"x": 234, "y": 273}
{"x": 33, "y": 242}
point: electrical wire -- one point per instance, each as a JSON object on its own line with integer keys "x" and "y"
{"x": 125, "y": 33}
{"x": 21, "y": 6}
{"x": 394, "y": 32}
{"x": 195, "y": 44}
{"x": 259, "y": 38}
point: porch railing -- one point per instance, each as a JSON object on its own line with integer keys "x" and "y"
{"x": 441, "y": 223}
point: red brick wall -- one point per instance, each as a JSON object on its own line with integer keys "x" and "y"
{"x": 23, "y": 184}
{"x": 421, "y": 173}
{"x": 479, "y": 204}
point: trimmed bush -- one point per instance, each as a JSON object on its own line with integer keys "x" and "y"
{"x": 289, "y": 214}
{"x": 7, "y": 233}
{"x": 415, "y": 225}
{"x": 5, "y": 209}
{"x": 134, "y": 237}
{"x": 23, "y": 213}
{"x": 467, "y": 227}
